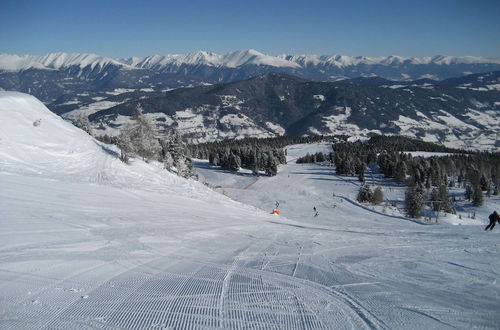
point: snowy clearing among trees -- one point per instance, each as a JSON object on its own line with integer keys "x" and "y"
{"x": 90, "y": 242}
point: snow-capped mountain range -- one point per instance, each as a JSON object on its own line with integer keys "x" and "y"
{"x": 61, "y": 75}
{"x": 229, "y": 60}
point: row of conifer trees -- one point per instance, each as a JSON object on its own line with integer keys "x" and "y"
{"x": 258, "y": 155}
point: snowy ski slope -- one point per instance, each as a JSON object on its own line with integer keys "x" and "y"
{"x": 89, "y": 242}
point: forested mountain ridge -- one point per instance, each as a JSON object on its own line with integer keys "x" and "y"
{"x": 277, "y": 104}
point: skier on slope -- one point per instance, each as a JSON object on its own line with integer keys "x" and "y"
{"x": 494, "y": 217}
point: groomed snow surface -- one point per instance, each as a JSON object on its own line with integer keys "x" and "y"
{"x": 89, "y": 242}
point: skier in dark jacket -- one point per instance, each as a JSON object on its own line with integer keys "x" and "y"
{"x": 494, "y": 217}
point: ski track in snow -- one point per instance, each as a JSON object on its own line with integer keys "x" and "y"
{"x": 133, "y": 247}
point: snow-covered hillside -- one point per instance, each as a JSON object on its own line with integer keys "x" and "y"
{"x": 89, "y": 242}
{"x": 36, "y": 142}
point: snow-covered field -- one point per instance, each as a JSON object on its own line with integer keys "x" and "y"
{"x": 89, "y": 242}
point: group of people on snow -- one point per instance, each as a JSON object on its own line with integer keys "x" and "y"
{"x": 494, "y": 217}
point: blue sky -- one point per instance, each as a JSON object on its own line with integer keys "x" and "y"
{"x": 139, "y": 28}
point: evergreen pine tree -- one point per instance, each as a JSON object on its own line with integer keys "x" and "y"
{"x": 185, "y": 168}
{"x": 428, "y": 182}
{"x": 414, "y": 200}
{"x": 214, "y": 159}
{"x": 272, "y": 165}
{"x": 175, "y": 147}
{"x": 400, "y": 174}
{"x": 477, "y": 196}
{"x": 320, "y": 157}
{"x": 434, "y": 200}
{"x": 444, "y": 198}
{"x": 360, "y": 171}
{"x": 365, "y": 194}
{"x": 174, "y": 155}
{"x": 234, "y": 162}
{"x": 468, "y": 192}
{"x": 255, "y": 163}
{"x": 484, "y": 183}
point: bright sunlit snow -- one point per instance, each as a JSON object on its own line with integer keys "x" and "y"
{"x": 90, "y": 242}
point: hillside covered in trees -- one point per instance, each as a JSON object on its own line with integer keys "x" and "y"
{"x": 428, "y": 178}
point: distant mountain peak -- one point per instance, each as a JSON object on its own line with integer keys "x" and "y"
{"x": 64, "y": 60}
{"x": 56, "y": 61}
